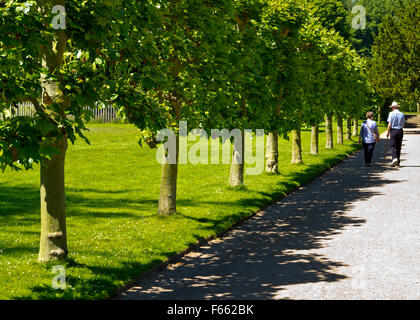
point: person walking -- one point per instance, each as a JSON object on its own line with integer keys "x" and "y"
{"x": 396, "y": 122}
{"x": 369, "y": 135}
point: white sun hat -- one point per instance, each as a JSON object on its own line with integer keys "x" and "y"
{"x": 395, "y": 105}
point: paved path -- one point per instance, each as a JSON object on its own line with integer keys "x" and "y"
{"x": 343, "y": 236}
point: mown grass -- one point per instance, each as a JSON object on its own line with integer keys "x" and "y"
{"x": 114, "y": 233}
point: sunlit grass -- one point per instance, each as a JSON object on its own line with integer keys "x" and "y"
{"x": 114, "y": 233}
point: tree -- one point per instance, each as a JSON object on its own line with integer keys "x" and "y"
{"x": 53, "y": 61}
{"x": 394, "y": 69}
{"x": 246, "y": 80}
{"x": 305, "y": 93}
{"x": 280, "y": 27}
{"x": 332, "y": 15}
{"x": 181, "y": 75}
{"x": 335, "y": 62}
{"x": 247, "y": 96}
{"x": 311, "y": 75}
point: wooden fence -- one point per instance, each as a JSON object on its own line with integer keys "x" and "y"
{"x": 101, "y": 115}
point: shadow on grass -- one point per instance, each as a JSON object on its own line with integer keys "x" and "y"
{"x": 20, "y": 204}
{"x": 18, "y": 251}
{"x": 104, "y": 283}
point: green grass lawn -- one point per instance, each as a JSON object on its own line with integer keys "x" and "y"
{"x": 114, "y": 233}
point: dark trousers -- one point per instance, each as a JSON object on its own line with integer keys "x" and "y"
{"x": 369, "y": 148}
{"x": 395, "y": 143}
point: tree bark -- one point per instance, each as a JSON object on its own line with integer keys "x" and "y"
{"x": 355, "y": 127}
{"x": 348, "y": 128}
{"x": 53, "y": 208}
{"x": 329, "y": 132}
{"x": 418, "y": 107}
{"x": 315, "y": 140}
{"x": 379, "y": 115}
{"x": 168, "y": 186}
{"x": 340, "y": 130}
{"x": 272, "y": 153}
{"x": 296, "y": 146}
{"x": 236, "y": 178}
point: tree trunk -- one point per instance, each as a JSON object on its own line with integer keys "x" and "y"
{"x": 355, "y": 127}
{"x": 272, "y": 153}
{"x": 296, "y": 147}
{"x": 329, "y": 132}
{"x": 236, "y": 178}
{"x": 339, "y": 130}
{"x": 314, "y": 140}
{"x": 53, "y": 208}
{"x": 379, "y": 115}
{"x": 348, "y": 128}
{"x": 418, "y": 107}
{"x": 53, "y": 242}
{"x": 167, "y": 195}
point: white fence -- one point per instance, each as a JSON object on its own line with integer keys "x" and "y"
{"x": 102, "y": 115}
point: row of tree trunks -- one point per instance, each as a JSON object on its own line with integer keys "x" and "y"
{"x": 297, "y": 142}
{"x": 167, "y": 197}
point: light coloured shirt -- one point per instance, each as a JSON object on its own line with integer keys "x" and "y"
{"x": 366, "y": 134}
{"x": 397, "y": 119}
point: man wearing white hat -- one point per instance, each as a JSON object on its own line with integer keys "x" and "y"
{"x": 396, "y": 122}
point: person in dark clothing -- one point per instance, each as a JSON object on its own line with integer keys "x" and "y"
{"x": 369, "y": 135}
{"x": 396, "y": 122}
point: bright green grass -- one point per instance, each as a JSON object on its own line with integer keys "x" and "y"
{"x": 114, "y": 233}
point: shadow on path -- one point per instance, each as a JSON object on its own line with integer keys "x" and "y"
{"x": 270, "y": 251}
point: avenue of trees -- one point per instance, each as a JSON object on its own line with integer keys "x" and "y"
{"x": 241, "y": 64}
